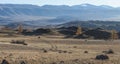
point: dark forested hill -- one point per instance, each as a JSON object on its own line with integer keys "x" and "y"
{"x": 109, "y": 25}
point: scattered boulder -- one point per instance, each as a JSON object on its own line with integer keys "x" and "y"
{"x": 102, "y": 57}
{"x": 85, "y": 51}
{"x": 4, "y": 61}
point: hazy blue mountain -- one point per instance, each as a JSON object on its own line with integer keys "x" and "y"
{"x": 55, "y": 14}
{"x": 83, "y": 10}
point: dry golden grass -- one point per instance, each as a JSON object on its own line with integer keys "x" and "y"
{"x": 59, "y": 50}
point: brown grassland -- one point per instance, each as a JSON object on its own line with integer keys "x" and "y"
{"x": 57, "y": 50}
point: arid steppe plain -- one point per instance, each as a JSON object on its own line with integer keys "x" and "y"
{"x": 57, "y": 50}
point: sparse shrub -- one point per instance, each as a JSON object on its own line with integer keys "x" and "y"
{"x": 10, "y": 54}
{"x": 59, "y": 51}
{"x": 61, "y": 62}
{"x": 54, "y": 47}
{"x": 10, "y": 34}
{"x": 22, "y": 62}
{"x": 4, "y": 61}
{"x": 18, "y": 42}
{"x": 64, "y": 51}
{"x": 102, "y": 57}
{"x": 45, "y": 51}
{"x": 74, "y": 46}
{"x": 54, "y": 63}
{"x": 86, "y": 40}
{"x": 75, "y": 60}
{"x": 39, "y": 37}
{"x": 110, "y": 51}
{"x": 70, "y": 52}
{"x": 85, "y": 51}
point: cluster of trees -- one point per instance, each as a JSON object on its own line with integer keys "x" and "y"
{"x": 97, "y": 34}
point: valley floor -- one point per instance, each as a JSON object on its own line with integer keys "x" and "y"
{"x": 57, "y": 50}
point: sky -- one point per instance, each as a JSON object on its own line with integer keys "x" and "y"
{"x": 114, "y": 3}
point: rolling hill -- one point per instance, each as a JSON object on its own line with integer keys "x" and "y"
{"x": 107, "y": 25}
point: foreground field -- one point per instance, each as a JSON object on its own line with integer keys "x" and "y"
{"x": 56, "y": 50}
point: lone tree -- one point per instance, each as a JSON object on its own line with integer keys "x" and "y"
{"x": 79, "y": 31}
{"x": 114, "y": 34}
{"x": 20, "y": 29}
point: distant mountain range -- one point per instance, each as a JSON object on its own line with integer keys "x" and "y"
{"x": 55, "y": 14}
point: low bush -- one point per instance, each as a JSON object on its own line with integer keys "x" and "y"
{"x": 110, "y": 51}
{"x": 18, "y": 42}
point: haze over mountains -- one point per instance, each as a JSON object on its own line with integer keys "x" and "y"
{"x": 55, "y": 14}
